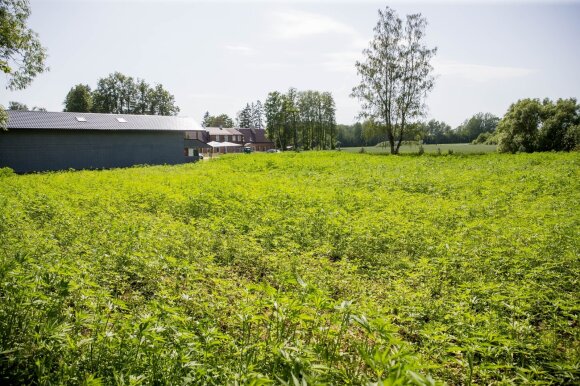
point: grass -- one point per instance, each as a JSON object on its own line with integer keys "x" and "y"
{"x": 460, "y": 148}
{"x": 294, "y": 268}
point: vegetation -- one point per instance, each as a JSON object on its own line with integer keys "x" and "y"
{"x": 251, "y": 116}
{"x": 296, "y": 268}
{"x": 396, "y": 75}
{"x": 530, "y": 125}
{"x": 22, "y": 57}
{"x": 18, "y": 106}
{"x": 480, "y": 124}
{"x": 413, "y": 147}
{"x": 79, "y": 99}
{"x": 301, "y": 119}
{"x": 222, "y": 120}
{"x": 121, "y": 94}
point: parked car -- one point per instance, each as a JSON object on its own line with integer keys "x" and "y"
{"x": 248, "y": 149}
{"x": 272, "y": 151}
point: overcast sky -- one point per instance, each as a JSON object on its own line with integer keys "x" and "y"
{"x": 216, "y": 56}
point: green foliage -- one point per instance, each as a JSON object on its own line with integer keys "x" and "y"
{"x": 530, "y": 125}
{"x": 251, "y": 116}
{"x": 222, "y": 120}
{"x": 79, "y": 99}
{"x": 121, "y": 94}
{"x": 3, "y": 118}
{"x": 22, "y": 57}
{"x": 395, "y": 76}
{"x": 17, "y": 106}
{"x": 295, "y": 268}
{"x": 301, "y": 119}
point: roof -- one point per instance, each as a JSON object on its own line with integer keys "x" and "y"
{"x": 222, "y": 131}
{"x": 255, "y": 136}
{"x": 215, "y": 144}
{"x": 69, "y": 121}
{"x": 195, "y": 143}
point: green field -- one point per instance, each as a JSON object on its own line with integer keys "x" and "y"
{"x": 459, "y": 148}
{"x": 294, "y": 268}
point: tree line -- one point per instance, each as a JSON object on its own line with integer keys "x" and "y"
{"x": 301, "y": 119}
{"x": 121, "y": 94}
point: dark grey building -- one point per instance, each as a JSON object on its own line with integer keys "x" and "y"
{"x": 42, "y": 141}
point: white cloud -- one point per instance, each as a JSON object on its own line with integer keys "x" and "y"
{"x": 297, "y": 24}
{"x": 479, "y": 72}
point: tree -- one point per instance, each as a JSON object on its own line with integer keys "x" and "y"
{"x": 304, "y": 119}
{"x": 79, "y": 99}
{"x": 257, "y": 115}
{"x": 560, "y": 125}
{"x": 396, "y": 75}
{"x": 518, "y": 129}
{"x": 121, "y": 94}
{"x": 17, "y": 106}
{"x": 245, "y": 117}
{"x": 22, "y": 57}
{"x": 274, "y": 111}
{"x": 436, "y": 132}
{"x": 222, "y": 120}
{"x": 479, "y": 123}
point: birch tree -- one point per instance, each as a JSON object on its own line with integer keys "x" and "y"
{"x": 395, "y": 75}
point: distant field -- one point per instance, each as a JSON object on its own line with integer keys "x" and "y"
{"x": 294, "y": 268}
{"x": 462, "y": 148}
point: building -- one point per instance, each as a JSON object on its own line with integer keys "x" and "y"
{"x": 41, "y": 141}
{"x": 224, "y": 140}
{"x": 256, "y": 139}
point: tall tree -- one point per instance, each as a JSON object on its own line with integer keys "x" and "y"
{"x": 274, "y": 110}
{"x": 290, "y": 115}
{"x": 245, "y": 117}
{"x": 305, "y": 119}
{"x": 257, "y": 115}
{"x": 121, "y": 94}
{"x": 396, "y": 75}
{"x": 22, "y": 57}
{"x": 79, "y": 99}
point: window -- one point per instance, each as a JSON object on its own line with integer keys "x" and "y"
{"x": 81, "y": 119}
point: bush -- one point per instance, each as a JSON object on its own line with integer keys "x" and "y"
{"x": 530, "y": 125}
{"x": 6, "y": 172}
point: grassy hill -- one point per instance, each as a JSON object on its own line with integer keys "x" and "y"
{"x": 304, "y": 268}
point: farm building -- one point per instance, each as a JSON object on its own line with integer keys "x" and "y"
{"x": 224, "y": 140}
{"x": 42, "y": 141}
{"x": 256, "y": 139}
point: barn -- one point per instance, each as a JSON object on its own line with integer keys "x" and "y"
{"x": 41, "y": 141}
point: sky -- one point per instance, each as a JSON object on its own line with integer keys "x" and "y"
{"x": 217, "y": 56}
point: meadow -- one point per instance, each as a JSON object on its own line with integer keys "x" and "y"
{"x": 294, "y": 268}
{"x": 409, "y": 148}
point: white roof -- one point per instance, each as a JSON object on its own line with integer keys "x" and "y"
{"x": 223, "y": 144}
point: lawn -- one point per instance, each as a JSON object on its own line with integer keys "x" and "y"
{"x": 462, "y": 148}
{"x": 294, "y": 268}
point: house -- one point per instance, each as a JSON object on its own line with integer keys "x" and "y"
{"x": 224, "y": 140}
{"x": 41, "y": 141}
{"x": 256, "y": 139}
